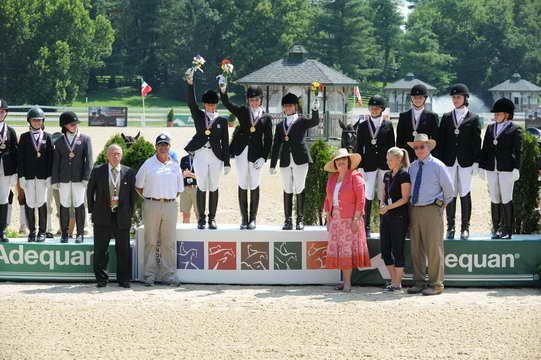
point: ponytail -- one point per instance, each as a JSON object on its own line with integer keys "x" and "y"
{"x": 402, "y": 154}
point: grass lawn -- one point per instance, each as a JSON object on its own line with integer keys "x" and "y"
{"x": 125, "y": 96}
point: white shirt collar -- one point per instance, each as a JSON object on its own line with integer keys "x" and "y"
{"x": 417, "y": 113}
{"x": 211, "y": 116}
{"x": 2, "y": 124}
{"x": 159, "y": 162}
{"x": 291, "y": 118}
{"x": 256, "y": 113}
{"x": 377, "y": 121}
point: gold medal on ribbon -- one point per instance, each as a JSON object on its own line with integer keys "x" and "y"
{"x": 252, "y": 129}
{"x": 3, "y": 146}
{"x": 207, "y": 132}
{"x": 286, "y": 138}
{"x": 71, "y": 155}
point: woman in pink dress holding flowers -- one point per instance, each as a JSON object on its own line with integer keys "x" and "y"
{"x": 344, "y": 209}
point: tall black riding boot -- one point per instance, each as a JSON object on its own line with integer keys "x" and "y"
{"x": 64, "y": 223}
{"x": 42, "y": 218}
{"x": 30, "y": 215}
{"x": 201, "y": 199}
{"x": 495, "y": 211}
{"x": 243, "y": 204}
{"x": 465, "y": 211}
{"x": 254, "y": 206}
{"x": 300, "y": 211}
{"x": 80, "y": 216}
{"x": 507, "y": 232}
{"x": 3, "y": 222}
{"x": 213, "y": 205}
{"x": 367, "y": 217}
{"x": 450, "y": 211}
{"x": 288, "y": 211}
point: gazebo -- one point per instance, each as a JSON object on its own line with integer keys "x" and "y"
{"x": 398, "y": 93}
{"x": 523, "y": 93}
{"x": 295, "y": 74}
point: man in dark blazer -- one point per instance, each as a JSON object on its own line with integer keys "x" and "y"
{"x": 111, "y": 200}
{"x": 459, "y": 145}
{"x": 8, "y": 166}
{"x": 417, "y": 120}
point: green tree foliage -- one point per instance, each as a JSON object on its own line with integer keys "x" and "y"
{"x": 343, "y": 38}
{"x": 526, "y": 191}
{"x": 386, "y": 19}
{"x": 49, "y": 48}
{"x": 478, "y": 42}
{"x": 316, "y": 181}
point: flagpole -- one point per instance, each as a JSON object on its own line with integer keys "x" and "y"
{"x": 144, "y": 111}
{"x": 143, "y": 122}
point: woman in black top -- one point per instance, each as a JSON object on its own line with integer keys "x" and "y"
{"x": 394, "y": 214}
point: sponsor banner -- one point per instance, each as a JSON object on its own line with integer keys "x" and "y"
{"x": 50, "y": 261}
{"x": 473, "y": 263}
{"x": 108, "y": 116}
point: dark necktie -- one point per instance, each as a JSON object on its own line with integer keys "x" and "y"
{"x": 417, "y": 185}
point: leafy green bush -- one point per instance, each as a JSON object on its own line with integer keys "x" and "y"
{"x": 115, "y": 139}
{"x": 526, "y": 191}
{"x": 316, "y": 182}
{"x": 171, "y": 115}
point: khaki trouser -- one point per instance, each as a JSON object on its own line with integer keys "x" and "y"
{"x": 426, "y": 231}
{"x": 160, "y": 219}
{"x": 188, "y": 198}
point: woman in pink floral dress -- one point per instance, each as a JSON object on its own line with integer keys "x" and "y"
{"x": 344, "y": 208}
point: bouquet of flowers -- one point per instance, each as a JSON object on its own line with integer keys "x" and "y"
{"x": 227, "y": 68}
{"x": 317, "y": 88}
{"x": 198, "y": 63}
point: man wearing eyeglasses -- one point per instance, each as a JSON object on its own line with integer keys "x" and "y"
{"x": 432, "y": 191}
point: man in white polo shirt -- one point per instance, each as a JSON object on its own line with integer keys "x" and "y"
{"x": 160, "y": 181}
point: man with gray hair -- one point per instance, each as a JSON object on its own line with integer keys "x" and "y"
{"x": 432, "y": 190}
{"x": 111, "y": 201}
{"x": 160, "y": 181}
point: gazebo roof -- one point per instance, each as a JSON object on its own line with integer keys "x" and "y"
{"x": 407, "y": 83}
{"x": 516, "y": 83}
{"x": 296, "y": 70}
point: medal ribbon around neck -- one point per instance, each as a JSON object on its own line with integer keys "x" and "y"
{"x": 73, "y": 143}
{"x": 37, "y": 143}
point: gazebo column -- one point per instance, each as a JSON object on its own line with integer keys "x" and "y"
{"x": 268, "y": 99}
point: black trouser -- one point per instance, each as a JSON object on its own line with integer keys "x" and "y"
{"x": 393, "y": 229}
{"x": 102, "y": 235}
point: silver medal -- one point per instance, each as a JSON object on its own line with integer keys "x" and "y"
{"x": 374, "y": 142}
{"x": 457, "y": 131}
{"x": 495, "y": 142}
{"x": 414, "y": 133}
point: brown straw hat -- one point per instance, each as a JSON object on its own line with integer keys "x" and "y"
{"x": 423, "y": 138}
{"x": 339, "y": 154}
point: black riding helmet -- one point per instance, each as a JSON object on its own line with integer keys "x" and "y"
{"x": 253, "y": 92}
{"x": 210, "y": 97}
{"x": 504, "y": 105}
{"x": 377, "y": 100}
{"x": 419, "y": 90}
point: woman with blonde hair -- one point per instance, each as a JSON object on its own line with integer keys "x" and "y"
{"x": 344, "y": 209}
{"x": 394, "y": 215}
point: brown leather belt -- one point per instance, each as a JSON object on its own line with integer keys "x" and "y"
{"x": 160, "y": 200}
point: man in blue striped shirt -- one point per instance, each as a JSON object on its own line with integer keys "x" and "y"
{"x": 432, "y": 191}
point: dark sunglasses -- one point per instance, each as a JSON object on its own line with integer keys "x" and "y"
{"x": 420, "y": 147}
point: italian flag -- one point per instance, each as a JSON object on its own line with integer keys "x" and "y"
{"x": 145, "y": 88}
